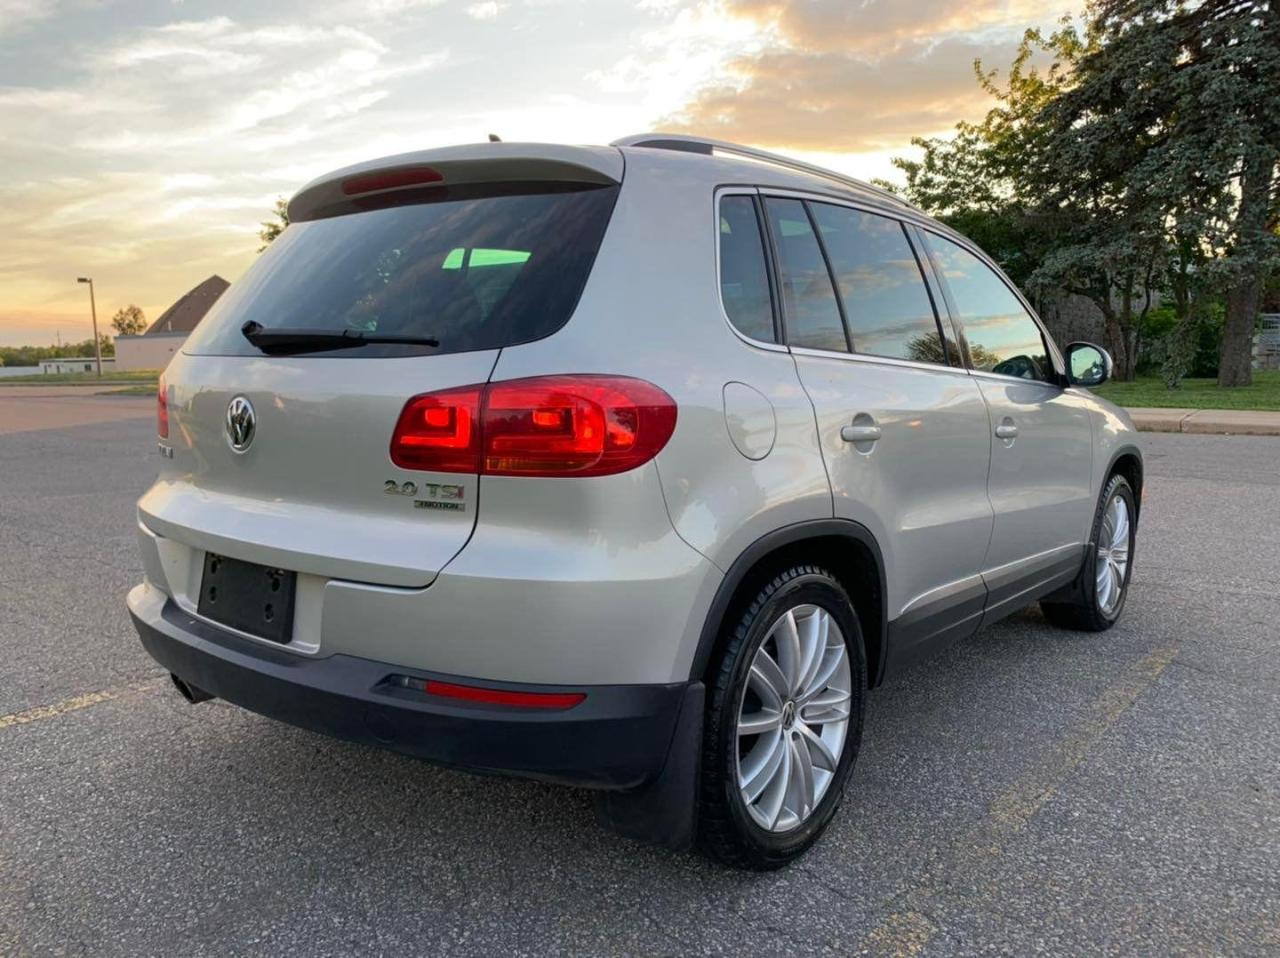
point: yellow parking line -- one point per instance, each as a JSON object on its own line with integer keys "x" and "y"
{"x": 901, "y": 935}
{"x": 74, "y": 704}
{"x": 907, "y": 931}
{"x": 1017, "y": 806}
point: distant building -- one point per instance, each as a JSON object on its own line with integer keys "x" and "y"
{"x": 163, "y": 338}
{"x": 76, "y": 364}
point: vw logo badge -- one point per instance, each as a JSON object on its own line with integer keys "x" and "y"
{"x": 242, "y": 423}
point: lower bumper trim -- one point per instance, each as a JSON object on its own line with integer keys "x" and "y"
{"x": 618, "y": 737}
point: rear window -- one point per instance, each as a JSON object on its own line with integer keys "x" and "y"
{"x": 473, "y": 272}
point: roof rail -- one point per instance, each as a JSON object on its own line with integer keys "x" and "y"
{"x": 703, "y": 145}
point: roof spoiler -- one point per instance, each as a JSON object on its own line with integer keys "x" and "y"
{"x": 456, "y": 166}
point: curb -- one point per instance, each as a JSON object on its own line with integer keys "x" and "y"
{"x": 1225, "y": 422}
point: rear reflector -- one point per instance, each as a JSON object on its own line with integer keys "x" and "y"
{"x": 391, "y": 180}
{"x": 550, "y": 426}
{"x": 525, "y": 700}
{"x": 162, "y": 410}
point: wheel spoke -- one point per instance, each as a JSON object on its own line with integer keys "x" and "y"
{"x": 759, "y": 722}
{"x": 826, "y": 716}
{"x": 1120, "y": 534}
{"x": 818, "y": 750}
{"x": 775, "y": 795}
{"x": 831, "y": 662}
{"x": 787, "y": 636}
{"x": 801, "y": 778}
{"x": 828, "y": 698}
{"x": 1104, "y": 586}
{"x": 768, "y": 681}
{"x": 760, "y": 766}
{"x": 817, "y": 630}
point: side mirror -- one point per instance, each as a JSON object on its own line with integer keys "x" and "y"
{"x": 1088, "y": 365}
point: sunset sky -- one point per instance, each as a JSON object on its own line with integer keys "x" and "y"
{"x": 141, "y": 142}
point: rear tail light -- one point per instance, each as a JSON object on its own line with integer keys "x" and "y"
{"x": 556, "y": 426}
{"x": 162, "y": 410}
{"x": 440, "y": 432}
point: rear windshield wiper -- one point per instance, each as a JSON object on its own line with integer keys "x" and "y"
{"x": 301, "y": 340}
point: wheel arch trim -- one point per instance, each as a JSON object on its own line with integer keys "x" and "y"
{"x": 771, "y": 542}
{"x": 1130, "y": 451}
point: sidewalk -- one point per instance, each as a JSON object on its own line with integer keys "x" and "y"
{"x": 1237, "y": 422}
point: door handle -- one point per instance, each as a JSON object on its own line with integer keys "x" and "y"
{"x": 860, "y": 433}
{"x": 1007, "y": 430}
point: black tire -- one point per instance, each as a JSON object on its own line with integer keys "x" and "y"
{"x": 726, "y": 830}
{"x": 1078, "y": 607}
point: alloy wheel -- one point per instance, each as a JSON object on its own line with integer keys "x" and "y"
{"x": 794, "y": 718}
{"x": 1113, "y": 556}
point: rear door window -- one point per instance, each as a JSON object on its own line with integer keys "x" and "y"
{"x": 811, "y": 311}
{"x": 744, "y": 273}
{"x": 1001, "y": 335}
{"x": 474, "y": 271}
{"x": 886, "y": 303}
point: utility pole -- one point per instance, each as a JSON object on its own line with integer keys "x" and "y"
{"x": 93, "y": 309}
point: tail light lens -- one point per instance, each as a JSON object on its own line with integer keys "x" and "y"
{"x": 162, "y": 409}
{"x": 440, "y": 432}
{"x": 557, "y": 426}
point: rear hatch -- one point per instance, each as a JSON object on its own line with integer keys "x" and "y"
{"x": 278, "y": 441}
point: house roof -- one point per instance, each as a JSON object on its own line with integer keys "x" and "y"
{"x": 190, "y": 308}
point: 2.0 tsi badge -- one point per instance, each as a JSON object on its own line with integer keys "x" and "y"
{"x": 241, "y": 423}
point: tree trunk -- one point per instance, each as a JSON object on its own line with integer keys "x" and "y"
{"x": 1129, "y": 367}
{"x": 1235, "y": 364}
{"x": 1114, "y": 336}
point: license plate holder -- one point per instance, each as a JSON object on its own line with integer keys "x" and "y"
{"x": 252, "y": 598}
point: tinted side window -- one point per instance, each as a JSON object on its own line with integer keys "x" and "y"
{"x": 813, "y": 318}
{"x": 885, "y": 300}
{"x": 1002, "y": 336}
{"x": 744, "y": 277}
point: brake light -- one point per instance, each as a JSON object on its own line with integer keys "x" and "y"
{"x": 162, "y": 410}
{"x": 551, "y": 426}
{"x": 438, "y": 432}
{"x": 391, "y": 179}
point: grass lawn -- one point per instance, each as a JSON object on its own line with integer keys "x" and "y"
{"x": 88, "y": 379}
{"x": 1197, "y": 393}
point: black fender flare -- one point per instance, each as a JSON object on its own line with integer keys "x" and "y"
{"x": 1128, "y": 449}
{"x": 770, "y": 542}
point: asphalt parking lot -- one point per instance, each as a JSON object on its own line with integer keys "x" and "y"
{"x": 1029, "y": 791}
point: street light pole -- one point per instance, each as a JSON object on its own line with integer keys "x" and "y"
{"x": 93, "y": 309}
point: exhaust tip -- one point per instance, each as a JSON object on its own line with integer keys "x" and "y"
{"x": 188, "y": 691}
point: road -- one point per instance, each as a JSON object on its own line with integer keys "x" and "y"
{"x": 1028, "y": 791}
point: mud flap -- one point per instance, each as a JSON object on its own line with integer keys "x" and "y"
{"x": 665, "y": 811}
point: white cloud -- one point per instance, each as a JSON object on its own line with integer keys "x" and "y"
{"x": 488, "y": 10}
{"x": 22, "y": 13}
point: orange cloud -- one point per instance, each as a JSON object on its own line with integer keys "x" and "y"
{"x": 842, "y": 76}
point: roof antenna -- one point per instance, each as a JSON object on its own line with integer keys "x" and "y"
{"x": 494, "y": 138}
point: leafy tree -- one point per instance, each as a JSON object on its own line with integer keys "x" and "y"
{"x": 273, "y": 227}
{"x": 1170, "y": 117}
{"x": 129, "y": 321}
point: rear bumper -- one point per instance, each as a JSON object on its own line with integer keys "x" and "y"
{"x": 619, "y": 737}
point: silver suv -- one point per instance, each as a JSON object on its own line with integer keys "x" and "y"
{"x": 627, "y": 467}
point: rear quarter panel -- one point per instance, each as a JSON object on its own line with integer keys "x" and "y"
{"x": 652, "y": 309}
